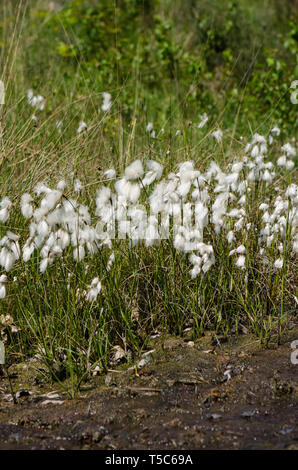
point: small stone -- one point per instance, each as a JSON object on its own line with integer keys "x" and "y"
{"x": 213, "y": 416}
{"x": 248, "y": 414}
{"x": 286, "y": 431}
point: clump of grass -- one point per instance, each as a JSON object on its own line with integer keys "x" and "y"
{"x": 212, "y": 248}
{"x": 213, "y": 237}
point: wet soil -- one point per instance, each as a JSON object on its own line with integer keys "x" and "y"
{"x": 222, "y": 394}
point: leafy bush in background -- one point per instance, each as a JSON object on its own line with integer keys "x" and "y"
{"x": 213, "y": 55}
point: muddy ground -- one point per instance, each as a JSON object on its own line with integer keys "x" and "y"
{"x": 210, "y": 394}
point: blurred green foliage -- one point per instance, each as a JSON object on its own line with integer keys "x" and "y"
{"x": 213, "y": 55}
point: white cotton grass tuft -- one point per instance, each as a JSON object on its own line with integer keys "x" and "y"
{"x": 127, "y": 190}
{"x": 28, "y": 249}
{"x": 194, "y": 209}
{"x": 94, "y": 289}
{"x": 289, "y": 150}
{"x": 37, "y": 101}
{"x": 149, "y": 127}
{"x": 110, "y": 174}
{"x": 79, "y": 253}
{"x": 275, "y": 132}
{"x": 150, "y": 130}
{"x": 154, "y": 173}
{"x": 5, "y": 207}
{"x": 3, "y": 280}
{"x": 110, "y": 261}
{"x": 240, "y": 263}
{"x": 203, "y": 120}
{"x": 77, "y": 186}
{"x": 107, "y": 102}
{"x": 241, "y": 250}
{"x": 59, "y": 126}
{"x": 278, "y": 263}
{"x": 2, "y": 291}
{"x": 82, "y": 127}
{"x": 134, "y": 171}
{"x": 231, "y": 237}
{"x": 217, "y": 135}
{"x": 26, "y": 205}
{"x": 61, "y": 185}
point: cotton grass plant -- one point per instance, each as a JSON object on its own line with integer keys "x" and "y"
{"x": 116, "y": 230}
{"x": 149, "y": 247}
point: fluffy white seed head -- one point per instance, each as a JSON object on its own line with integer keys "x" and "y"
{"x": 134, "y": 170}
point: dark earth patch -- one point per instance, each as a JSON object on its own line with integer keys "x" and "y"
{"x": 236, "y": 395}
